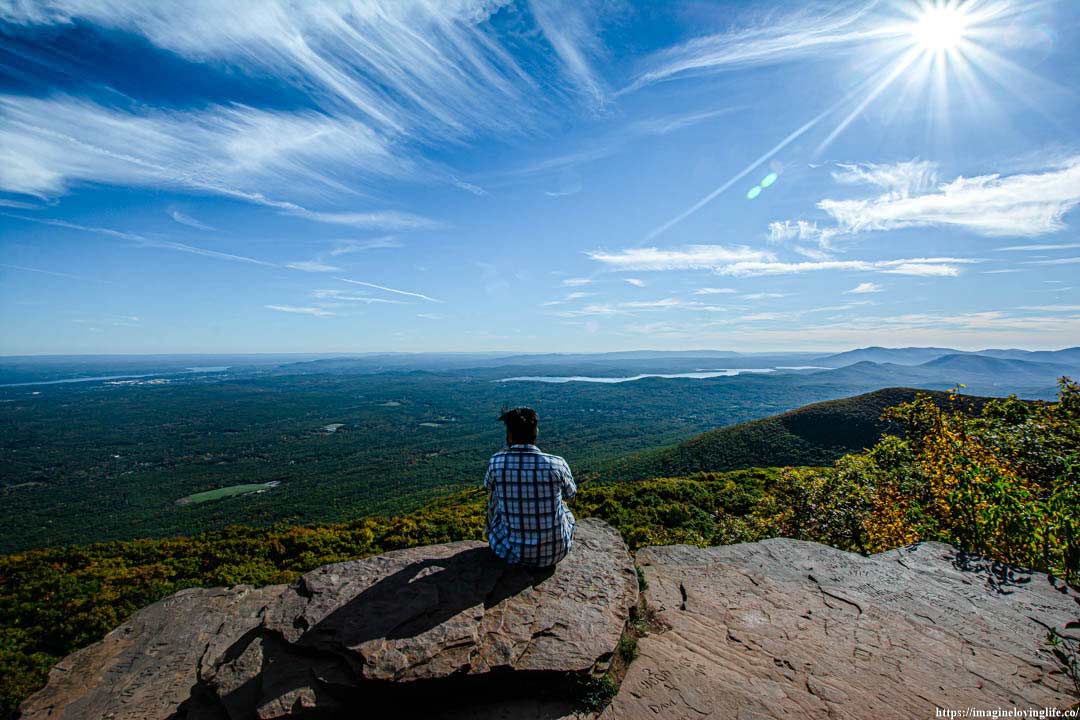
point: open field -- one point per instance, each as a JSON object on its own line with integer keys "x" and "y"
{"x": 231, "y": 491}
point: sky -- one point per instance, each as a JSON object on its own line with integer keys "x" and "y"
{"x": 587, "y": 175}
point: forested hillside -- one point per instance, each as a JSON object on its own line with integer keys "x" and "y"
{"x": 816, "y": 434}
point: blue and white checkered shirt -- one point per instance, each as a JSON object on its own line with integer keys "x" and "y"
{"x": 527, "y": 521}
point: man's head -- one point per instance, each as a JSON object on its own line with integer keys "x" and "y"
{"x": 520, "y": 426}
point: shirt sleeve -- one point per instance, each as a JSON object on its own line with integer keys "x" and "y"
{"x": 569, "y": 487}
{"x": 489, "y": 476}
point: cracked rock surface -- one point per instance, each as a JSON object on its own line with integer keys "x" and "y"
{"x": 420, "y": 623}
{"x": 784, "y": 628}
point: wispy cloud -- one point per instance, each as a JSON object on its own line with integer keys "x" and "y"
{"x": 383, "y": 220}
{"x": 468, "y": 187}
{"x": 923, "y": 267}
{"x": 776, "y": 39}
{"x": 634, "y": 307}
{"x": 1035, "y": 248}
{"x": 572, "y": 188}
{"x": 636, "y": 282}
{"x": 390, "y": 289}
{"x": 1051, "y": 308}
{"x": 715, "y": 291}
{"x": 316, "y": 311}
{"x": 953, "y": 329}
{"x": 568, "y": 298}
{"x": 54, "y": 273}
{"x": 798, "y": 230}
{"x": 46, "y": 144}
{"x": 312, "y": 266}
{"x": 690, "y": 257}
{"x": 864, "y": 288}
{"x": 763, "y": 296}
{"x": 189, "y": 221}
{"x": 1023, "y": 204}
{"x": 19, "y": 204}
{"x": 576, "y": 281}
{"x": 110, "y": 320}
{"x": 1054, "y": 261}
{"x": 346, "y": 247}
{"x": 902, "y": 179}
{"x": 146, "y": 241}
{"x": 183, "y": 247}
{"x": 422, "y": 69}
{"x": 568, "y": 28}
{"x": 339, "y": 297}
{"x": 741, "y": 261}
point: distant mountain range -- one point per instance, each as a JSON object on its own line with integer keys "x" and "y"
{"x": 815, "y": 434}
{"x": 987, "y": 373}
{"x": 920, "y": 355}
{"x": 1022, "y": 371}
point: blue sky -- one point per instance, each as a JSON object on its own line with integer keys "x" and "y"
{"x": 537, "y": 176}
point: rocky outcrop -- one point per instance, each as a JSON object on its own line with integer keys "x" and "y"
{"x": 784, "y": 628}
{"x": 150, "y": 666}
{"x": 425, "y": 628}
{"x": 780, "y": 628}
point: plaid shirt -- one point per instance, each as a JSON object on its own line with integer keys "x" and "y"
{"x": 527, "y": 520}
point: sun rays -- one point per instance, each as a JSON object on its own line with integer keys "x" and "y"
{"x": 927, "y": 58}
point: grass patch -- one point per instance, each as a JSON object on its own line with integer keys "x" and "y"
{"x": 595, "y": 692}
{"x": 224, "y": 492}
{"x": 628, "y": 649}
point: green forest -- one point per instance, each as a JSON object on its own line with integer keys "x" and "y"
{"x": 999, "y": 479}
{"x": 93, "y": 462}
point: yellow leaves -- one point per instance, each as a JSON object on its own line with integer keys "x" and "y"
{"x": 975, "y": 481}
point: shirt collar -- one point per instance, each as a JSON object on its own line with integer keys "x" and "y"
{"x": 524, "y": 446}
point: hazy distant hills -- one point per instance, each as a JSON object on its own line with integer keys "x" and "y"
{"x": 1033, "y": 373}
{"x": 897, "y": 356}
{"x": 815, "y": 434}
{"x": 984, "y": 373}
{"x": 921, "y": 355}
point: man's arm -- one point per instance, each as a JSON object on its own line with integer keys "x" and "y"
{"x": 569, "y": 487}
{"x": 489, "y": 476}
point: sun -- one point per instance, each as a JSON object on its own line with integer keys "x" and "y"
{"x": 940, "y": 28}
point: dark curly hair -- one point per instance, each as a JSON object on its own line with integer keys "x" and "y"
{"x": 520, "y": 424}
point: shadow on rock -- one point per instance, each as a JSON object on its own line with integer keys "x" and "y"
{"x": 422, "y": 596}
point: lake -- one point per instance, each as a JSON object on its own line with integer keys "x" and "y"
{"x": 727, "y": 372}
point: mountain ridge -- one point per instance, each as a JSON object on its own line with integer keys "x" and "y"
{"x": 814, "y": 434}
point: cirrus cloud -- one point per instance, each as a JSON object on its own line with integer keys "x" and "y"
{"x": 690, "y": 257}
{"x": 1022, "y": 204}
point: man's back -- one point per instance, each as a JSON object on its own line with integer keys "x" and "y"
{"x": 527, "y": 520}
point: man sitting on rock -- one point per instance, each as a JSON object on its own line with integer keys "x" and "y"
{"x": 528, "y": 522}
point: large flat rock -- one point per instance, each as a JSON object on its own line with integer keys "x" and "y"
{"x": 149, "y": 666}
{"x": 429, "y": 614}
{"x": 784, "y": 628}
{"x": 433, "y": 627}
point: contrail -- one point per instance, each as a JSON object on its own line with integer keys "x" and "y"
{"x": 743, "y": 173}
{"x": 783, "y": 144}
{"x": 392, "y": 290}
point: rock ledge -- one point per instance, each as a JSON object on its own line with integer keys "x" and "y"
{"x": 785, "y": 628}
{"x": 399, "y": 627}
